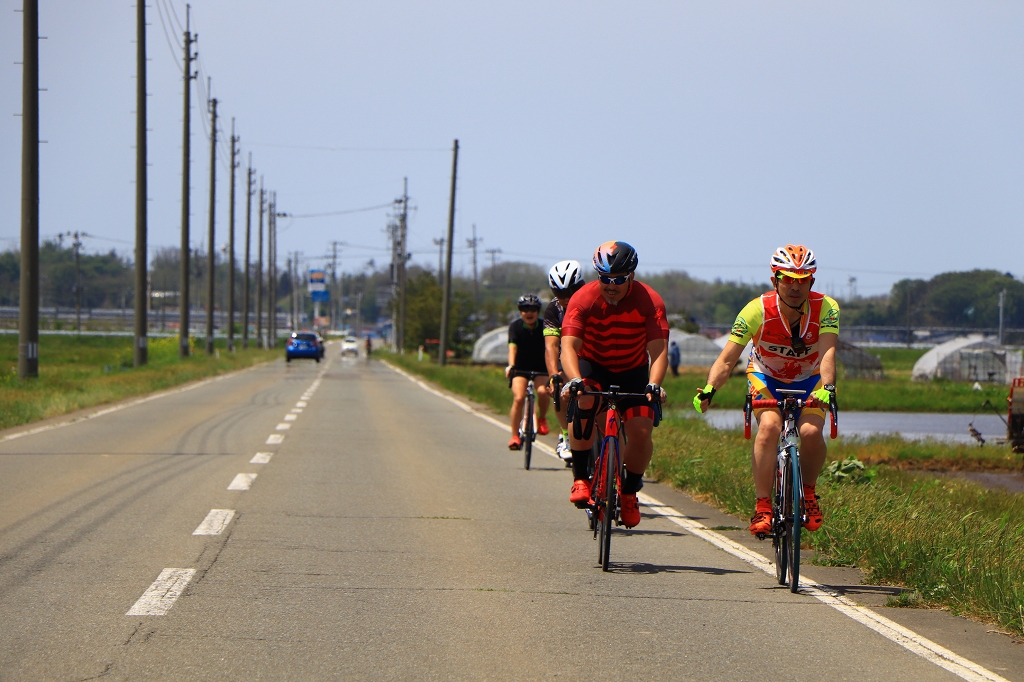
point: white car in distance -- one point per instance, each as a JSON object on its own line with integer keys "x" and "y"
{"x": 349, "y": 345}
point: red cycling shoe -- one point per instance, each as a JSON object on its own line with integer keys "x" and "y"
{"x": 542, "y": 426}
{"x": 515, "y": 443}
{"x": 629, "y": 510}
{"x": 580, "y": 495}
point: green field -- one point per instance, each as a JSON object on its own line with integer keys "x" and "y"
{"x": 76, "y": 372}
{"x": 955, "y": 544}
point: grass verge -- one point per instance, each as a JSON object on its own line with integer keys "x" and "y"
{"x": 955, "y": 544}
{"x": 77, "y": 372}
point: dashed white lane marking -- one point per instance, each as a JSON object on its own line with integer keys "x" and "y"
{"x": 296, "y": 410}
{"x": 275, "y": 439}
{"x": 908, "y": 639}
{"x": 301, "y": 403}
{"x": 242, "y": 482}
{"x": 261, "y": 458}
{"x": 160, "y": 597}
{"x": 216, "y": 521}
{"x": 290, "y": 417}
{"x": 283, "y": 426}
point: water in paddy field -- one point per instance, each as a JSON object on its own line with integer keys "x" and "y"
{"x": 909, "y": 425}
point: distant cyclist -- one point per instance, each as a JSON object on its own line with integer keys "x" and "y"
{"x": 565, "y": 278}
{"x": 526, "y": 353}
{"x": 615, "y": 332}
{"x": 794, "y": 332}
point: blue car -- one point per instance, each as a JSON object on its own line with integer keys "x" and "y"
{"x": 303, "y": 345}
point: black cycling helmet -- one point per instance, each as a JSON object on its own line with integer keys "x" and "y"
{"x": 529, "y": 301}
{"x": 615, "y": 257}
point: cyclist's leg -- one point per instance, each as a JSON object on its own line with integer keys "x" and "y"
{"x": 518, "y": 402}
{"x": 543, "y": 399}
{"x": 812, "y": 459}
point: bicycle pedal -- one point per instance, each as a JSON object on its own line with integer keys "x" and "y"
{"x": 761, "y": 536}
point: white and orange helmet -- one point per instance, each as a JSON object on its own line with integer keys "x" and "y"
{"x": 795, "y": 260}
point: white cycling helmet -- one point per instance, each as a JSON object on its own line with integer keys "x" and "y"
{"x": 565, "y": 276}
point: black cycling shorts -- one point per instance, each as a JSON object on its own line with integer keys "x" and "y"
{"x": 631, "y": 381}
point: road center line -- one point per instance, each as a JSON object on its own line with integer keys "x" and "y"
{"x": 161, "y": 595}
{"x": 275, "y": 439}
{"x": 216, "y": 521}
{"x": 261, "y": 458}
{"x": 283, "y": 426}
{"x": 891, "y": 630}
{"x": 242, "y": 482}
{"x": 301, "y": 403}
{"x": 290, "y": 417}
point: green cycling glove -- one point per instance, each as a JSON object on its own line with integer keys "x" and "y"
{"x": 706, "y": 393}
{"x": 824, "y": 395}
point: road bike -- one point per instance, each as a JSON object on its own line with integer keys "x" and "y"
{"x": 527, "y": 429}
{"x": 788, "y": 500}
{"x": 607, "y": 468}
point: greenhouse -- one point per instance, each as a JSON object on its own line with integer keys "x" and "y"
{"x": 969, "y": 358}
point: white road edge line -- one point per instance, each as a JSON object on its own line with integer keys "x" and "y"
{"x": 215, "y": 522}
{"x": 261, "y": 458}
{"x": 161, "y": 595}
{"x": 891, "y": 630}
{"x": 242, "y": 482}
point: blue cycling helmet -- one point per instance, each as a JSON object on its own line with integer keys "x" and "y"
{"x": 615, "y": 258}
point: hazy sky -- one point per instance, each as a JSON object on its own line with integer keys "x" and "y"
{"x": 888, "y": 137}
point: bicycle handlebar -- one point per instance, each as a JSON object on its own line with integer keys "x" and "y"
{"x": 529, "y": 374}
{"x": 750, "y": 405}
{"x": 575, "y": 391}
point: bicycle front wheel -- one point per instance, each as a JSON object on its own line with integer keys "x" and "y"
{"x": 611, "y": 467}
{"x": 528, "y": 433}
{"x": 796, "y": 508}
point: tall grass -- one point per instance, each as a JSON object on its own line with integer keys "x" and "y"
{"x": 958, "y": 545}
{"x": 77, "y": 372}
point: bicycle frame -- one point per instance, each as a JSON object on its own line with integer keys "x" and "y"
{"x": 606, "y": 480}
{"x": 787, "y": 502}
{"x": 527, "y": 428}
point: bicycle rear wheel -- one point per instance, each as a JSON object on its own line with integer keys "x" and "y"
{"x": 796, "y": 509}
{"x": 611, "y": 465}
{"x": 528, "y": 432}
{"x": 780, "y": 536}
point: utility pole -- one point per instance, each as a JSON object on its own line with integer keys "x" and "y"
{"x": 211, "y": 244}
{"x": 184, "y": 297}
{"x": 447, "y": 289}
{"x": 1002, "y": 301}
{"x": 249, "y": 182}
{"x": 439, "y": 243}
{"x": 141, "y": 261}
{"x": 28, "y": 312}
{"x": 908, "y": 314}
{"x": 231, "y": 241}
{"x": 259, "y": 271}
{"x": 494, "y": 262}
{"x": 78, "y": 282}
{"x": 291, "y": 293}
{"x": 338, "y": 303}
{"x": 472, "y": 243}
{"x": 272, "y": 270}
{"x": 403, "y": 257}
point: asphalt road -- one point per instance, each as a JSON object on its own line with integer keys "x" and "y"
{"x": 390, "y": 535}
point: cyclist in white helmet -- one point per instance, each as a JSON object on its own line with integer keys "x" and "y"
{"x": 565, "y": 278}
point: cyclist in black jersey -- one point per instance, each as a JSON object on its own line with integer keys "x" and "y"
{"x": 526, "y": 353}
{"x": 565, "y": 278}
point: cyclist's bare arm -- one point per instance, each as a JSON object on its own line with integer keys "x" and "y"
{"x": 512, "y": 348}
{"x": 827, "y": 346}
{"x": 571, "y": 346}
{"x": 552, "y": 345}
{"x": 658, "y": 350}
{"x": 723, "y": 367}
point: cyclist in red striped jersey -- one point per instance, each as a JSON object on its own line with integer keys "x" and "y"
{"x": 615, "y": 332}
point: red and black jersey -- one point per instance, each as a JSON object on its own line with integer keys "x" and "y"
{"x": 616, "y": 336}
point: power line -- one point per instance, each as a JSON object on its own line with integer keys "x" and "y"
{"x": 346, "y": 212}
{"x": 350, "y": 149}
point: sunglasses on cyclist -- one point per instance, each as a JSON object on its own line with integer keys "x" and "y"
{"x": 786, "y": 279}
{"x": 614, "y": 280}
{"x": 530, "y": 309}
